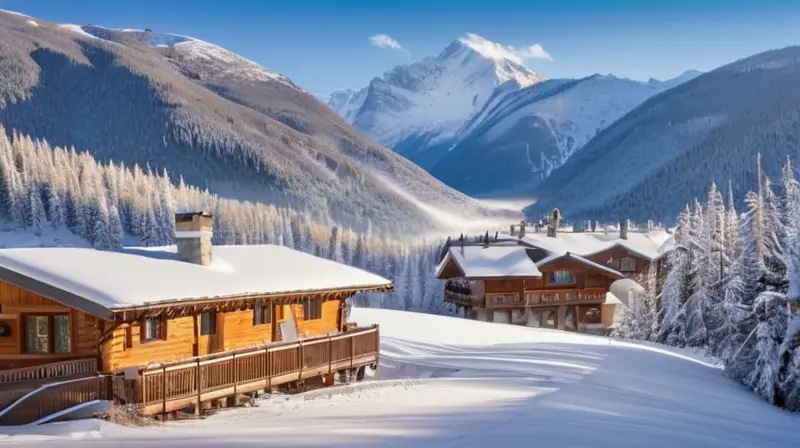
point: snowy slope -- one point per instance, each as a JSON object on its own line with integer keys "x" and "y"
{"x": 221, "y": 61}
{"x": 535, "y": 130}
{"x": 218, "y": 120}
{"x": 668, "y": 149}
{"x": 432, "y": 97}
{"x": 454, "y": 382}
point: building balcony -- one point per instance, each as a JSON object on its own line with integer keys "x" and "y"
{"x": 564, "y": 296}
{"x": 461, "y": 294}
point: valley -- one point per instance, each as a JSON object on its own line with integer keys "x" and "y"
{"x": 108, "y": 133}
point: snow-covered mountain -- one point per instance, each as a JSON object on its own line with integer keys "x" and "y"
{"x": 519, "y": 137}
{"x": 647, "y": 164}
{"x": 218, "y": 120}
{"x": 431, "y": 99}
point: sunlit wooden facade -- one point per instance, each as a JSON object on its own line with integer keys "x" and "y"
{"x": 175, "y": 353}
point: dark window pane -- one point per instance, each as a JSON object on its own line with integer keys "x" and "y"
{"x": 207, "y": 323}
{"x": 37, "y": 334}
{"x": 61, "y": 334}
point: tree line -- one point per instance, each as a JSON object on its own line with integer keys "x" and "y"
{"x": 45, "y": 188}
{"x": 731, "y": 285}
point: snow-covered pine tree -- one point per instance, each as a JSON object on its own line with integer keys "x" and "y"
{"x": 675, "y": 290}
{"x": 696, "y": 305}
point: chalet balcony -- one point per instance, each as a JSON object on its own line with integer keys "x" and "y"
{"x": 168, "y": 387}
{"x": 174, "y": 386}
{"x": 461, "y": 294}
{"x": 565, "y": 296}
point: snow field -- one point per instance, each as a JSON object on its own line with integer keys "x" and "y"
{"x": 446, "y": 382}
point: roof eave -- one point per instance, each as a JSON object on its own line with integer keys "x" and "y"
{"x": 389, "y": 287}
{"x": 55, "y": 294}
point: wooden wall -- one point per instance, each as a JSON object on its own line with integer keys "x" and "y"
{"x": 16, "y": 302}
{"x": 235, "y": 330}
{"x": 618, "y": 253}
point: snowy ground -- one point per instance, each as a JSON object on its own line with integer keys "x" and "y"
{"x": 448, "y": 382}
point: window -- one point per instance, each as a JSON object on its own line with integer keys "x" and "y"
{"x": 560, "y": 278}
{"x": 208, "y": 323}
{"x": 47, "y": 334}
{"x": 262, "y": 313}
{"x": 312, "y": 309}
{"x": 628, "y": 264}
{"x": 153, "y": 329}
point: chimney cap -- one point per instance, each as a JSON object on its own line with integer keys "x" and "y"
{"x": 187, "y": 216}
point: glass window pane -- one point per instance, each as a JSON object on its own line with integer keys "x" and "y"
{"x": 257, "y": 313}
{"x": 207, "y": 323}
{"x": 61, "y": 342}
{"x": 37, "y": 329}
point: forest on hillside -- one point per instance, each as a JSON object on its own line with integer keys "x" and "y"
{"x": 731, "y": 286}
{"x": 45, "y": 188}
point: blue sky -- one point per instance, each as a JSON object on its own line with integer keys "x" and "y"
{"x": 324, "y": 45}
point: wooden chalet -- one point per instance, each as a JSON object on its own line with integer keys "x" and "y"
{"x": 167, "y": 328}
{"x": 562, "y": 280}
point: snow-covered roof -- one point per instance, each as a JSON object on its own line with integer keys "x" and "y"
{"x": 648, "y": 245}
{"x": 100, "y": 282}
{"x": 491, "y": 261}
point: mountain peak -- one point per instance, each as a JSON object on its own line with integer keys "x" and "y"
{"x": 488, "y": 49}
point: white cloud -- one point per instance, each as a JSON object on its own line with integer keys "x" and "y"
{"x": 386, "y": 41}
{"x": 534, "y": 51}
{"x": 497, "y": 51}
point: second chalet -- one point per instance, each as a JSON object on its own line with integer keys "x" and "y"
{"x": 578, "y": 281}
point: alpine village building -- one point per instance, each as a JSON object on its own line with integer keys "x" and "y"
{"x": 173, "y": 327}
{"x": 578, "y": 281}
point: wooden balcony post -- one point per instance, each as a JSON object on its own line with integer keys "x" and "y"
{"x": 377, "y": 345}
{"x": 300, "y": 371}
{"x": 330, "y": 355}
{"x": 164, "y": 389}
{"x": 268, "y": 367}
{"x": 352, "y": 350}
{"x": 235, "y": 374}
{"x": 198, "y": 385}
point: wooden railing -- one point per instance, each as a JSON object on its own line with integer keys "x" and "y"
{"x": 461, "y": 294}
{"x": 55, "y": 397}
{"x": 562, "y": 296}
{"x": 174, "y": 386}
{"x": 60, "y": 369}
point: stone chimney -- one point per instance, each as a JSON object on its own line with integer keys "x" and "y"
{"x": 555, "y": 223}
{"x": 193, "y": 233}
{"x": 623, "y": 229}
{"x": 511, "y": 232}
{"x": 522, "y": 225}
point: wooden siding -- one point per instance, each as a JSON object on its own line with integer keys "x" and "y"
{"x": 617, "y": 254}
{"x": 234, "y": 330}
{"x": 16, "y": 302}
{"x": 329, "y": 322}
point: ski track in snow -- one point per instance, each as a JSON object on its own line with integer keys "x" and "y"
{"x": 446, "y": 382}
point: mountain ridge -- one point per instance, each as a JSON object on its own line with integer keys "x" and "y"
{"x": 670, "y": 147}
{"x": 244, "y": 137}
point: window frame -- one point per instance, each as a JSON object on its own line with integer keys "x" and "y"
{"x": 162, "y": 329}
{"x": 51, "y": 332}
{"x": 212, "y": 323}
{"x": 262, "y": 313}
{"x": 316, "y": 313}
{"x": 551, "y": 276}
{"x": 630, "y": 268}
